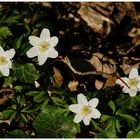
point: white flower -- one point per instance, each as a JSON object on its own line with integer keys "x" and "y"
{"x": 43, "y": 46}
{"x": 131, "y": 84}
{"x": 5, "y": 60}
{"x": 85, "y": 110}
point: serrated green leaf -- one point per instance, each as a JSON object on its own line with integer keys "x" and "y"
{"x": 111, "y": 125}
{"x": 4, "y": 32}
{"x": 111, "y": 104}
{"x": 104, "y": 118}
{"x": 133, "y": 134}
{"x": 7, "y": 113}
{"x": 52, "y": 124}
{"x": 25, "y": 73}
{"x": 105, "y": 134}
{"x": 16, "y": 134}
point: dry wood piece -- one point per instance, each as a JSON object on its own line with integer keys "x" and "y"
{"x": 108, "y": 68}
{"x": 7, "y": 94}
{"x": 73, "y": 85}
{"x": 58, "y": 79}
{"x": 98, "y": 22}
{"x": 125, "y": 8}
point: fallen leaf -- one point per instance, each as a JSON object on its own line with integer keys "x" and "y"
{"x": 97, "y": 21}
{"x": 58, "y": 79}
{"x": 98, "y": 84}
{"x": 5, "y": 121}
{"x": 73, "y": 85}
{"x": 106, "y": 67}
{"x": 127, "y": 67}
{"x": 110, "y": 82}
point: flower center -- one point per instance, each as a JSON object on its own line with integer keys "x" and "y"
{"x": 86, "y": 110}
{"x": 133, "y": 82}
{"x": 43, "y": 46}
{"x": 3, "y": 60}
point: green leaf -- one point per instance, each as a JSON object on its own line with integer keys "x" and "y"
{"x": 126, "y": 117}
{"x": 16, "y": 134}
{"x": 25, "y": 73}
{"x": 4, "y": 32}
{"x": 113, "y": 125}
{"x": 8, "y": 112}
{"x": 8, "y": 82}
{"x": 104, "y": 118}
{"x": 111, "y": 104}
{"x": 50, "y": 123}
{"x": 105, "y": 134}
{"x": 133, "y": 134}
{"x": 128, "y": 102}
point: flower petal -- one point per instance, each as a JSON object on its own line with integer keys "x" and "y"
{"x": 10, "y": 53}
{"x": 5, "y": 70}
{"x": 52, "y": 53}
{"x": 138, "y": 86}
{"x": 126, "y": 89}
{"x": 133, "y": 73}
{"x": 132, "y": 93}
{"x": 75, "y": 108}
{"x": 42, "y": 58}
{"x": 34, "y": 40}
{"x": 9, "y": 64}
{"x": 32, "y": 52}
{"x": 93, "y": 102}
{"x": 78, "y": 118}
{"x": 82, "y": 99}
{"x": 45, "y": 34}
{"x": 87, "y": 119}
{"x": 123, "y": 81}
{"x": 95, "y": 113}
{"x": 53, "y": 41}
{"x": 1, "y": 50}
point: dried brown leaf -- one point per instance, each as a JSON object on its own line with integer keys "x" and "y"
{"x": 98, "y": 84}
{"x": 73, "y": 85}
{"x": 110, "y": 82}
{"x": 58, "y": 79}
{"x": 95, "y": 20}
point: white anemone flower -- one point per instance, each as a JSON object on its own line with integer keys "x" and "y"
{"x": 5, "y": 60}
{"x": 131, "y": 84}
{"x": 85, "y": 110}
{"x": 43, "y": 46}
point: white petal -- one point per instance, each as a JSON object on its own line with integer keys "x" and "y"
{"x": 87, "y": 119}
{"x": 45, "y": 34}
{"x": 75, "y": 108}
{"x": 95, "y": 114}
{"x": 1, "y": 50}
{"x": 138, "y": 86}
{"x": 126, "y": 89}
{"x": 32, "y": 52}
{"x": 132, "y": 93}
{"x": 93, "y": 102}
{"x": 123, "y": 81}
{"x": 53, "y": 41}
{"x": 133, "y": 73}
{"x": 9, "y": 64}
{"x": 34, "y": 40}
{"x": 78, "y": 118}
{"x": 10, "y": 53}
{"x": 42, "y": 58}
{"x": 82, "y": 99}
{"x": 52, "y": 53}
{"x": 5, "y": 70}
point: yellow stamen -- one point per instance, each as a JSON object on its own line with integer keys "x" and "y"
{"x": 86, "y": 110}
{"x": 3, "y": 60}
{"x": 133, "y": 82}
{"x": 43, "y": 46}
